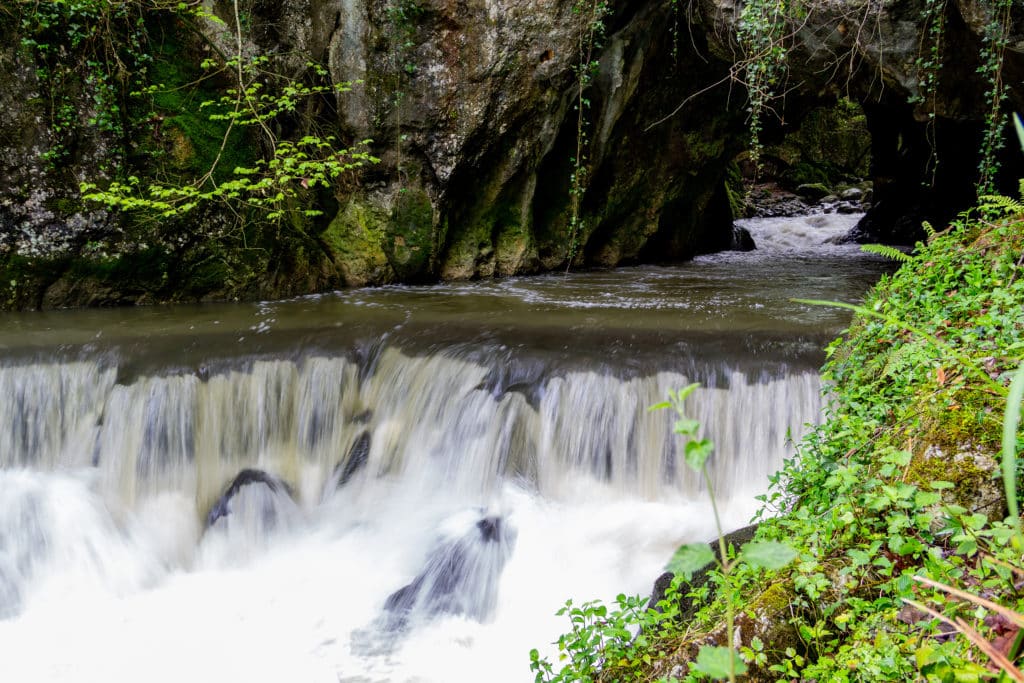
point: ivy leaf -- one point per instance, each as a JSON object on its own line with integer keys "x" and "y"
{"x": 691, "y": 558}
{"x": 767, "y": 554}
{"x": 719, "y": 662}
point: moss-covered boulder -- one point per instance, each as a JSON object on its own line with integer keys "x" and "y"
{"x": 354, "y": 242}
{"x": 408, "y": 239}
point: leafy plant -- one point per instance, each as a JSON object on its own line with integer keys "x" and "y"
{"x": 886, "y": 251}
{"x": 717, "y": 662}
{"x": 258, "y": 100}
{"x": 600, "y": 637}
{"x": 995, "y": 40}
{"x": 761, "y": 33}
{"x": 590, "y": 35}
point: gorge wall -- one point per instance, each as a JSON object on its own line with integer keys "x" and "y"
{"x": 474, "y": 112}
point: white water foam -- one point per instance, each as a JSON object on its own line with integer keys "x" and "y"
{"x": 818, "y": 233}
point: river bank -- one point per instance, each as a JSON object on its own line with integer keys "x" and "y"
{"x": 902, "y": 480}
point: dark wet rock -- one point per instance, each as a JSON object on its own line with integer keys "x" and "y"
{"x": 660, "y": 590}
{"x": 460, "y": 577}
{"x": 742, "y": 239}
{"x": 768, "y": 200}
{"x": 852, "y": 194}
{"x": 247, "y": 477}
{"x": 687, "y": 606}
{"x": 356, "y": 460}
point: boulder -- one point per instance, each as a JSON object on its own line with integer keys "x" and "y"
{"x": 248, "y": 478}
{"x": 358, "y": 456}
{"x": 460, "y": 577}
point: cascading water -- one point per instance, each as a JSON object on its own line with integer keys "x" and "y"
{"x": 388, "y": 485}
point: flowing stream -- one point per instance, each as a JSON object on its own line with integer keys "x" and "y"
{"x": 398, "y": 484}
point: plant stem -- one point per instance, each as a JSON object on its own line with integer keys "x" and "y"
{"x": 726, "y": 566}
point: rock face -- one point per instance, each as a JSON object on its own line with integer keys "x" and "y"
{"x": 924, "y": 140}
{"x": 476, "y": 114}
{"x": 474, "y": 106}
{"x": 473, "y": 109}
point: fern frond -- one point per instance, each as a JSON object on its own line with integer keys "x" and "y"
{"x": 929, "y": 231}
{"x": 887, "y": 251}
{"x": 997, "y": 203}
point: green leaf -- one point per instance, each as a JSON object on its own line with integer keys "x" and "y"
{"x": 767, "y": 554}
{"x": 686, "y": 391}
{"x": 1019, "y": 125}
{"x": 686, "y": 426}
{"x": 1010, "y": 421}
{"x": 719, "y": 662}
{"x": 691, "y": 558}
{"x": 696, "y": 453}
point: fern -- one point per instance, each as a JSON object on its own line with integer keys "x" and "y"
{"x": 929, "y": 231}
{"x": 1000, "y": 205}
{"x": 888, "y": 252}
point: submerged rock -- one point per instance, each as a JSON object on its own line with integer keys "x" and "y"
{"x": 742, "y": 239}
{"x": 358, "y": 456}
{"x": 247, "y": 477}
{"x": 460, "y": 577}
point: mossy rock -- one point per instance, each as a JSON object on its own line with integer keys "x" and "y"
{"x": 24, "y": 281}
{"x": 409, "y": 235}
{"x": 513, "y": 249}
{"x": 813, "y": 191}
{"x": 973, "y": 474}
{"x": 735, "y": 191}
{"x": 354, "y": 242}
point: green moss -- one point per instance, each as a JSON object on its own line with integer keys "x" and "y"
{"x": 409, "y": 235}
{"x": 512, "y": 247}
{"x": 189, "y": 142}
{"x": 23, "y": 281}
{"x": 831, "y": 146}
{"x": 972, "y": 475}
{"x": 735, "y": 190}
{"x": 65, "y": 206}
{"x": 703, "y": 146}
{"x": 354, "y": 242}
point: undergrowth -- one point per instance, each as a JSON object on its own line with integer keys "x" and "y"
{"x": 892, "y": 500}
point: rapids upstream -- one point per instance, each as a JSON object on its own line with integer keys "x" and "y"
{"x": 389, "y": 485}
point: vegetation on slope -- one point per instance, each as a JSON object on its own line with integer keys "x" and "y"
{"x": 900, "y": 487}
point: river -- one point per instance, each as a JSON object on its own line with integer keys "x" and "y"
{"x": 486, "y": 446}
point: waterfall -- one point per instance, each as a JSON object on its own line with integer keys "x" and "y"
{"x": 438, "y": 417}
{"x": 479, "y": 491}
{"x": 387, "y": 485}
